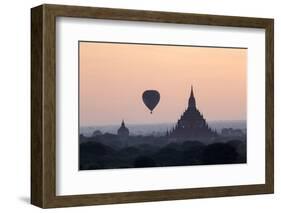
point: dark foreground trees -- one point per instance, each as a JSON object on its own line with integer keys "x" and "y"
{"x": 219, "y": 153}
{"x": 95, "y": 155}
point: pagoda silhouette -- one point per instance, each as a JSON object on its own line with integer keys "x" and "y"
{"x": 191, "y": 125}
{"x": 123, "y": 131}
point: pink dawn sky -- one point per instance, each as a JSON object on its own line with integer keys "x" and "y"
{"x": 113, "y": 77}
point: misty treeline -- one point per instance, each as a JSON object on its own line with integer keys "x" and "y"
{"x": 97, "y": 155}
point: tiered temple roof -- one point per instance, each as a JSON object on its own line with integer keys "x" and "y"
{"x": 191, "y": 125}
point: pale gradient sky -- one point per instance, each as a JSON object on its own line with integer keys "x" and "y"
{"x": 114, "y": 76}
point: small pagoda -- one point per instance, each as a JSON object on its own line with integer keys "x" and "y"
{"x": 123, "y": 131}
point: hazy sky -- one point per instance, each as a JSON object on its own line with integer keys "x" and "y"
{"x": 114, "y": 76}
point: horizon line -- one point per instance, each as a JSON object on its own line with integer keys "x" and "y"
{"x": 127, "y": 123}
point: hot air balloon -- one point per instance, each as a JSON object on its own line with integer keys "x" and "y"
{"x": 151, "y": 99}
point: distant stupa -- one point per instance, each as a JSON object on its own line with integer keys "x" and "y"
{"x": 123, "y": 131}
{"x": 191, "y": 125}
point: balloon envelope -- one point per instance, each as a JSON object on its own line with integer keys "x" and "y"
{"x": 151, "y": 98}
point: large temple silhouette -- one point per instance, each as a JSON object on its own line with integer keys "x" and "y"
{"x": 191, "y": 125}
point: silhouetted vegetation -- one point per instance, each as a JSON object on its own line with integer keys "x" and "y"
{"x": 219, "y": 153}
{"x": 144, "y": 161}
{"x": 98, "y": 155}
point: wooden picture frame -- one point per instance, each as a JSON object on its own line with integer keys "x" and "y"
{"x": 43, "y": 105}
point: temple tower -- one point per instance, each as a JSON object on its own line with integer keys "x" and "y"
{"x": 191, "y": 125}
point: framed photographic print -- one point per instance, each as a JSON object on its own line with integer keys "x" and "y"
{"x": 135, "y": 106}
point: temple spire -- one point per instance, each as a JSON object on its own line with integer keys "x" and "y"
{"x": 191, "y": 101}
{"x": 191, "y": 93}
